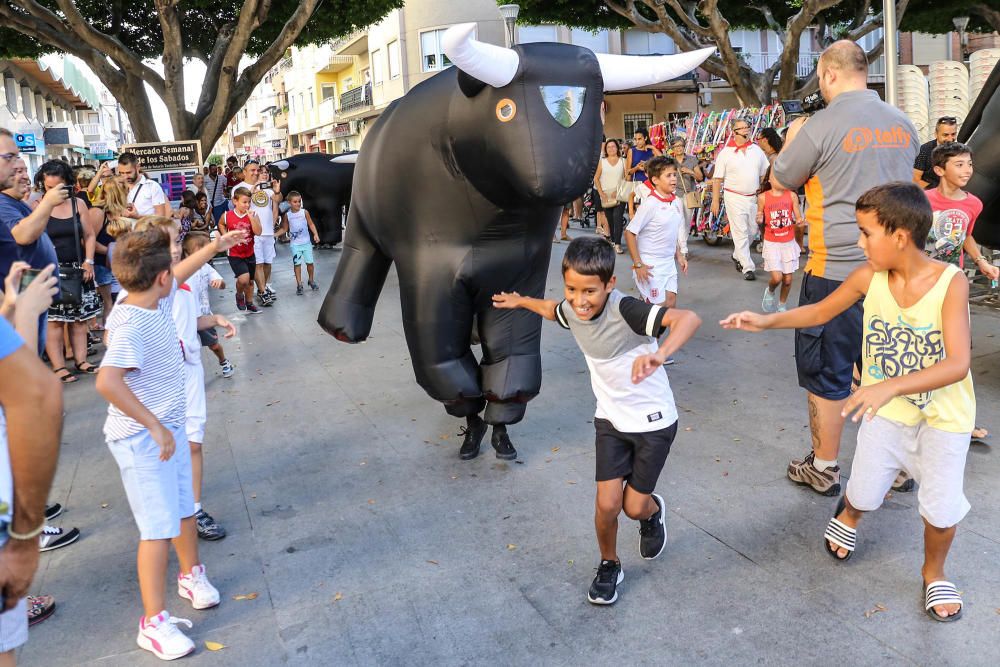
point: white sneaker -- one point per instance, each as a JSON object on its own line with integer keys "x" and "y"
{"x": 196, "y": 588}
{"x": 767, "y": 303}
{"x": 161, "y": 636}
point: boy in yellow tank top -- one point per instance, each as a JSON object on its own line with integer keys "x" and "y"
{"x": 916, "y": 402}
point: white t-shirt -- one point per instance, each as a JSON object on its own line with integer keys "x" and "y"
{"x": 658, "y": 225}
{"x": 742, "y": 169}
{"x": 298, "y": 227}
{"x": 260, "y": 203}
{"x": 216, "y": 189}
{"x": 611, "y": 342}
{"x": 199, "y": 284}
{"x": 185, "y": 314}
{"x": 146, "y": 343}
{"x": 146, "y": 195}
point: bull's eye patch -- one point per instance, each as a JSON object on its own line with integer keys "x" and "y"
{"x": 565, "y": 103}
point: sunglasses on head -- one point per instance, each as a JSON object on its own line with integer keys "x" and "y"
{"x": 947, "y": 120}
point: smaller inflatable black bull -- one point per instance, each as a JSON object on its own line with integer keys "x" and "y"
{"x": 461, "y": 184}
{"x": 324, "y": 181}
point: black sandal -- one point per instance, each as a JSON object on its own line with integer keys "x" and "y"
{"x": 86, "y": 367}
{"x": 68, "y": 378}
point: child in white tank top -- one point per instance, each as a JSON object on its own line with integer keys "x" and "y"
{"x": 299, "y": 224}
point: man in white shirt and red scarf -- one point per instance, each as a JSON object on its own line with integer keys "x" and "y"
{"x": 739, "y": 171}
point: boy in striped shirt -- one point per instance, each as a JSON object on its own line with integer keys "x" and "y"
{"x": 142, "y": 377}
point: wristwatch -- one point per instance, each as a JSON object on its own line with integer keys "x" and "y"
{"x": 88, "y": 261}
{"x": 637, "y": 265}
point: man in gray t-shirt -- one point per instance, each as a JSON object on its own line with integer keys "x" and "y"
{"x": 857, "y": 142}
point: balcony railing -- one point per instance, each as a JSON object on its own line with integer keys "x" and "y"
{"x": 355, "y": 99}
{"x": 805, "y": 66}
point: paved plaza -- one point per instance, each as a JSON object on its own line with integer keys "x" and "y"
{"x": 360, "y": 538}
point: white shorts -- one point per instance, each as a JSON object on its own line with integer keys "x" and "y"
{"x": 196, "y": 410}
{"x": 662, "y": 279}
{"x": 160, "y": 493}
{"x": 934, "y": 458}
{"x": 781, "y": 256}
{"x": 263, "y": 249}
{"x": 13, "y": 623}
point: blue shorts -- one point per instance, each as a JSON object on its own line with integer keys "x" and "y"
{"x": 302, "y": 254}
{"x": 102, "y": 275}
{"x": 825, "y": 356}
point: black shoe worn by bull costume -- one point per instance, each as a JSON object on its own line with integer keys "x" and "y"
{"x": 461, "y": 184}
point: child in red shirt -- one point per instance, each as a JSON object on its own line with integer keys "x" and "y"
{"x": 241, "y": 257}
{"x": 778, "y": 211}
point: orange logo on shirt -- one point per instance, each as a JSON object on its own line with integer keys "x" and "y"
{"x": 860, "y": 138}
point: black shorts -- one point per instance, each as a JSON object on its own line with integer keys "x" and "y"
{"x": 637, "y": 458}
{"x": 825, "y": 356}
{"x": 208, "y": 337}
{"x": 241, "y": 265}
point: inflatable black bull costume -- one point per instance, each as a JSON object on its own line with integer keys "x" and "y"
{"x": 461, "y": 183}
{"x": 981, "y": 131}
{"x": 324, "y": 181}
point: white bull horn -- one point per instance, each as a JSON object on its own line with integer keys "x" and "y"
{"x": 627, "y": 72}
{"x": 280, "y": 165}
{"x": 352, "y": 158}
{"x": 493, "y": 65}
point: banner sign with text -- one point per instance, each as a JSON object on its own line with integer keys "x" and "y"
{"x": 167, "y": 155}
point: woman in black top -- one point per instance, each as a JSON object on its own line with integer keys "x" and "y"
{"x": 58, "y": 174}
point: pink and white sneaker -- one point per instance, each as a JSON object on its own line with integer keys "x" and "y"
{"x": 196, "y": 588}
{"x": 161, "y": 636}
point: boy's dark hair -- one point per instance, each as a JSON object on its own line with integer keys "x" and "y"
{"x": 140, "y": 257}
{"x": 590, "y": 256}
{"x": 195, "y": 241}
{"x": 127, "y": 158}
{"x": 241, "y": 192}
{"x": 899, "y": 205}
{"x": 946, "y": 151}
{"x": 659, "y": 164}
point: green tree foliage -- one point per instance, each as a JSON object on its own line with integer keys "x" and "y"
{"x": 693, "y": 24}
{"x": 117, "y": 39}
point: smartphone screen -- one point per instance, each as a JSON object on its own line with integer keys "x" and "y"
{"x": 26, "y": 278}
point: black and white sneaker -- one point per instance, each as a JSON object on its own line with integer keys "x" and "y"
{"x": 52, "y": 511}
{"x": 502, "y": 444}
{"x": 604, "y": 590}
{"x": 208, "y": 528}
{"x": 56, "y": 538}
{"x": 653, "y": 531}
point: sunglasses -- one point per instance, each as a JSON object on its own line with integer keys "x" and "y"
{"x": 947, "y": 120}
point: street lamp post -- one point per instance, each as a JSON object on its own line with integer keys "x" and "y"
{"x": 509, "y": 14}
{"x": 961, "y": 23}
{"x": 890, "y": 34}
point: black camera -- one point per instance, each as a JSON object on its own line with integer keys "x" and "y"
{"x": 809, "y": 105}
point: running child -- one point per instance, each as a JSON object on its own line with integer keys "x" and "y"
{"x": 955, "y": 214}
{"x": 636, "y": 419}
{"x": 241, "y": 256}
{"x": 299, "y": 224}
{"x": 916, "y": 402}
{"x": 142, "y": 377}
{"x": 207, "y": 277}
{"x": 657, "y": 235}
{"x": 778, "y": 211}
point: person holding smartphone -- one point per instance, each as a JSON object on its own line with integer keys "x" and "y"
{"x": 66, "y": 230}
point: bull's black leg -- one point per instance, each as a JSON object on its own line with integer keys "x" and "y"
{"x": 437, "y": 321}
{"x": 511, "y": 365}
{"x": 349, "y": 307}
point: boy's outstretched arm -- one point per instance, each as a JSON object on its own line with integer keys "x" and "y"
{"x": 544, "y": 307}
{"x": 682, "y": 325}
{"x": 842, "y": 298}
{"x": 866, "y": 401}
{"x": 188, "y": 266}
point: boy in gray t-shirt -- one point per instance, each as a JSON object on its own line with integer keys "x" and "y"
{"x": 636, "y": 420}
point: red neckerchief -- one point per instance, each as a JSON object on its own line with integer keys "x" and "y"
{"x": 732, "y": 144}
{"x": 653, "y": 193}
{"x": 185, "y": 287}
